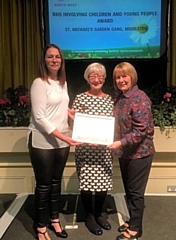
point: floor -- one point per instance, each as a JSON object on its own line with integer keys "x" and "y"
{"x": 17, "y": 214}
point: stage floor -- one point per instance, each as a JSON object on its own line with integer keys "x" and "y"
{"x": 17, "y": 215}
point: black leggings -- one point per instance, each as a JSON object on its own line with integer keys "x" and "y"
{"x": 93, "y": 207}
{"x": 48, "y": 168}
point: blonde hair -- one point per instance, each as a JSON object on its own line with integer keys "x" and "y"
{"x": 94, "y": 67}
{"x": 125, "y": 68}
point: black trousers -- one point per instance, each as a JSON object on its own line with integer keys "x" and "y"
{"x": 48, "y": 168}
{"x": 135, "y": 175}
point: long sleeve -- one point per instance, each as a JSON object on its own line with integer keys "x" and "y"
{"x": 39, "y": 105}
{"x": 49, "y": 113}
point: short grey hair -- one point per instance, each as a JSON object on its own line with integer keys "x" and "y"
{"x": 94, "y": 67}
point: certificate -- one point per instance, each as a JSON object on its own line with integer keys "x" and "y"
{"x": 93, "y": 129}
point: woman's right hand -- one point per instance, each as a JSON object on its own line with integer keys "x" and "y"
{"x": 115, "y": 145}
{"x": 72, "y": 142}
{"x": 64, "y": 138}
{"x": 71, "y": 113}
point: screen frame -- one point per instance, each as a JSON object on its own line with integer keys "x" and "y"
{"x": 164, "y": 34}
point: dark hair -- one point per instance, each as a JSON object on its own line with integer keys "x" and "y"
{"x": 43, "y": 71}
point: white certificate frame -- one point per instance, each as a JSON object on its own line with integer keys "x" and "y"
{"x": 95, "y": 129}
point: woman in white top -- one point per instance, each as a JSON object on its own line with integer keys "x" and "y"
{"x": 48, "y": 139}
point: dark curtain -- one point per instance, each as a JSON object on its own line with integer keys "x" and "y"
{"x": 171, "y": 69}
{"x": 20, "y": 42}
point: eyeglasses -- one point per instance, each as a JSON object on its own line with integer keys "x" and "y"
{"x": 92, "y": 77}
